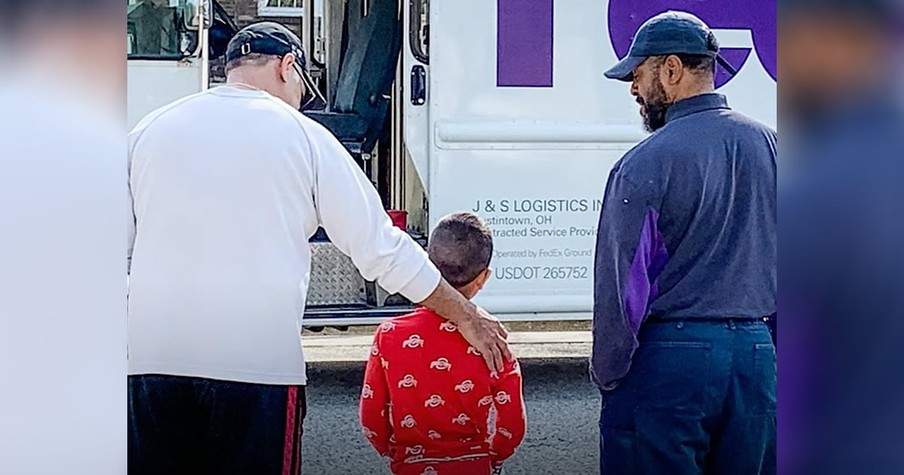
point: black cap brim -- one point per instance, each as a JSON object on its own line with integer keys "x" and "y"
{"x": 624, "y": 69}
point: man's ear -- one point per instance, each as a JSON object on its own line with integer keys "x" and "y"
{"x": 285, "y": 67}
{"x": 672, "y": 70}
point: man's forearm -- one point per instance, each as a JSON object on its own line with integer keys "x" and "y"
{"x": 450, "y": 303}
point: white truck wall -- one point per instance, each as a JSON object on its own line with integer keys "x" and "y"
{"x": 528, "y": 141}
{"x": 415, "y": 117}
{"x": 155, "y": 83}
{"x": 414, "y": 197}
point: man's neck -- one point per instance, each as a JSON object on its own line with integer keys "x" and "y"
{"x": 695, "y": 93}
{"x": 242, "y": 77}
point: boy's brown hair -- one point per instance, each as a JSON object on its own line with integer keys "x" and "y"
{"x": 461, "y": 247}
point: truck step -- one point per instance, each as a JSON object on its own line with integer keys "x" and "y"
{"x": 351, "y": 315}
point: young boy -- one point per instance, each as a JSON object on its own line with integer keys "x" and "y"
{"x": 429, "y": 403}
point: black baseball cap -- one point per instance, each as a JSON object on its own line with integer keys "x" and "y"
{"x": 672, "y": 32}
{"x": 268, "y": 38}
{"x": 274, "y": 39}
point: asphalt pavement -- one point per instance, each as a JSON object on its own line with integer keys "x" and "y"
{"x": 562, "y": 406}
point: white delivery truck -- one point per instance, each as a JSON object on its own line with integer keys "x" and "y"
{"x": 170, "y": 44}
{"x": 499, "y": 107}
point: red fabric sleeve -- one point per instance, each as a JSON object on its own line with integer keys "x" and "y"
{"x": 374, "y": 408}
{"x": 511, "y": 418}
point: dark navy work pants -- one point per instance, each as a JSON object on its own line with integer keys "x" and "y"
{"x": 699, "y": 399}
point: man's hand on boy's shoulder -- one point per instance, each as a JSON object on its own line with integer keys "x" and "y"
{"x": 482, "y": 330}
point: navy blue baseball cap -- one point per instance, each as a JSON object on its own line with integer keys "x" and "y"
{"x": 672, "y": 32}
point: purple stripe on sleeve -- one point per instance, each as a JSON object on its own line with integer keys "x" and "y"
{"x": 524, "y": 43}
{"x": 650, "y": 258}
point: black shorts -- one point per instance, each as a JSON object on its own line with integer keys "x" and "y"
{"x": 200, "y": 426}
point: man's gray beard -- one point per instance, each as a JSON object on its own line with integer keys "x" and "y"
{"x": 654, "y": 117}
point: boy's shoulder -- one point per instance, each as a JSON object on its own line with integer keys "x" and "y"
{"x": 420, "y": 325}
{"x": 422, "y": 319}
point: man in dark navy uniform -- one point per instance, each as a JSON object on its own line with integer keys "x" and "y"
{"x": 686, "y": 271}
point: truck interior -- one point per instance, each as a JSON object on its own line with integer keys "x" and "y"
{"x": 360, "y": 41}
{"x": 161, "y": 29}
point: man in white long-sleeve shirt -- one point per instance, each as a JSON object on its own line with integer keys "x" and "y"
{"x": 227, "y": 188}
